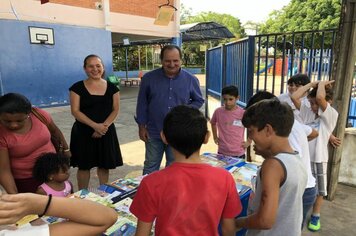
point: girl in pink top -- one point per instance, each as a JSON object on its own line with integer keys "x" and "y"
{"x": 52, "y": 170}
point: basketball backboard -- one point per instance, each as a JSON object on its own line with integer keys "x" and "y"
{"x": 39, "y": 35}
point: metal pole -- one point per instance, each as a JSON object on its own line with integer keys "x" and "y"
{"x": 127, "y": 64}
{"x": 139, "y": 58}
{"x": 146, "y": 59}
{"x": 153, "y": 64}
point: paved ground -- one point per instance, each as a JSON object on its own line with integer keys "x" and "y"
{"x": 338, "y": 217}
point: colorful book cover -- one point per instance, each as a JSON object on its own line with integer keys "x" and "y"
{"x": 122, "y": 227}
{"x": 243, "y": 175}
{"x": 52, "y": 219}
{"x": 87, "y": 195}
{"x": 123, "y": 209}
{"x": 227, "y": 160}
{"x": 125, "y": 186}
{"x": 126, "y": 222}
{"x": 212, "y": 161}
{"x": 242, "y": 189}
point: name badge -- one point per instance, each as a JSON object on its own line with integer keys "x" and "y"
{"x": 237, "y": 123}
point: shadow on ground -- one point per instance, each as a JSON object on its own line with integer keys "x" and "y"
{"x": 337, "y": 219}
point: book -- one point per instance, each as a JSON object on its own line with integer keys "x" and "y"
{"x": 212, "y": 161}
{"x": 123, "y": 209}
{"x": 26, "y": 220}
{"x": 121, "y": 188}
{"x": 244, "y": 176}
{"x": 88, "y": 195}
{"x": 126, "y": 223}
{"x": 242, "y": 189}
{"x": 122, "y": 227}
{"x": 225, "y": 161}
{"x": 52, "y": 219}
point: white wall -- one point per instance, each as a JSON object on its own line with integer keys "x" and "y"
{"x": 32, "y": 10}
{"x": 348, "y": 160}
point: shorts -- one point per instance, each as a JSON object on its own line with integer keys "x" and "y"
{"x": 319, "y": 171}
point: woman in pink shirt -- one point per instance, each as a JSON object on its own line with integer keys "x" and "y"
{"x": 23, "y": 138}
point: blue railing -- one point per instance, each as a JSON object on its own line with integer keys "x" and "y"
{"x": 214, "y": 71}
{"x": 230, "y": 64}
{"x": 265, "y": 62}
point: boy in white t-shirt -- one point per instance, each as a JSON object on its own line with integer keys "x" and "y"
{"x": 322, "y": 117}
{"x": 293, "y": 83}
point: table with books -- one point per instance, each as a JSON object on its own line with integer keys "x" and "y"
{"x": 118, "y": 194}
{"x": 244, "y": 174}
{"x": 115, "y": 195}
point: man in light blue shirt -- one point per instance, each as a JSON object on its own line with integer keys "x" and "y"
{"x": 161, "y": 90}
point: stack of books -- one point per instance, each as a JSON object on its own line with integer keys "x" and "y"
{"x": 121, "y": 188}
{"x": 219, "y": 160}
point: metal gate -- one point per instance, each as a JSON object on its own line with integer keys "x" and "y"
{"x": 265, "y": 62}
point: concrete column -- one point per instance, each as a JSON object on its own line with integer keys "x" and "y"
{"x": 106, "y": 11}
{"x": 343, "y": 69}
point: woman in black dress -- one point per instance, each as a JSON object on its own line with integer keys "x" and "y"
{"x": 95, "y": 105}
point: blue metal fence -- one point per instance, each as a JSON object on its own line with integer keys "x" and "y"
{"x": 230, "y": 64}
{"x": 265, "y": 62}
{"x": 214, "y": 71}
{"x": 279, "y": 56}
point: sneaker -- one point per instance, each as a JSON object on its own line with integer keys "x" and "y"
{"x": 314, "y": 223}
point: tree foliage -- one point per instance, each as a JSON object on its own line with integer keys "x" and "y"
{"x": 185, "y": 14}
{"x": 229, "y": 21}
{"x": 119, "y": 58}
{"x": 301, "y": 15}
{"x": 192, "y": 55}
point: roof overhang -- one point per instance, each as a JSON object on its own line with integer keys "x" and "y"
{"x": 202, "y": 31}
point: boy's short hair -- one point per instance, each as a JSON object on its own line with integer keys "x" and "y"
{"x": 185, "y": 128}
{"x": 328, "y": 93}
{"x": 260, "y": 95}
{"x": 230, "y": 90}
{"x": 270, "y": 111}
{"x": 299, "y": 79}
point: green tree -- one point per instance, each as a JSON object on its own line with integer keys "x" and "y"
{"x": 119, "y": 62}
{"x": 301, "y": 15}
{"x": 192, "y": 56}
{"x": 252, "y": 26}
{"x": 185, "y": 14}
{"x": 229, "y": 21}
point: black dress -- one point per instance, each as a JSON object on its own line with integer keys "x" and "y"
{"x": 88, "y": 152}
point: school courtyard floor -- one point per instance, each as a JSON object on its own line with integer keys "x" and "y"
{"x": 337, "y": 218}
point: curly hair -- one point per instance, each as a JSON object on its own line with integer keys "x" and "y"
{"x": 47, "y": 164}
